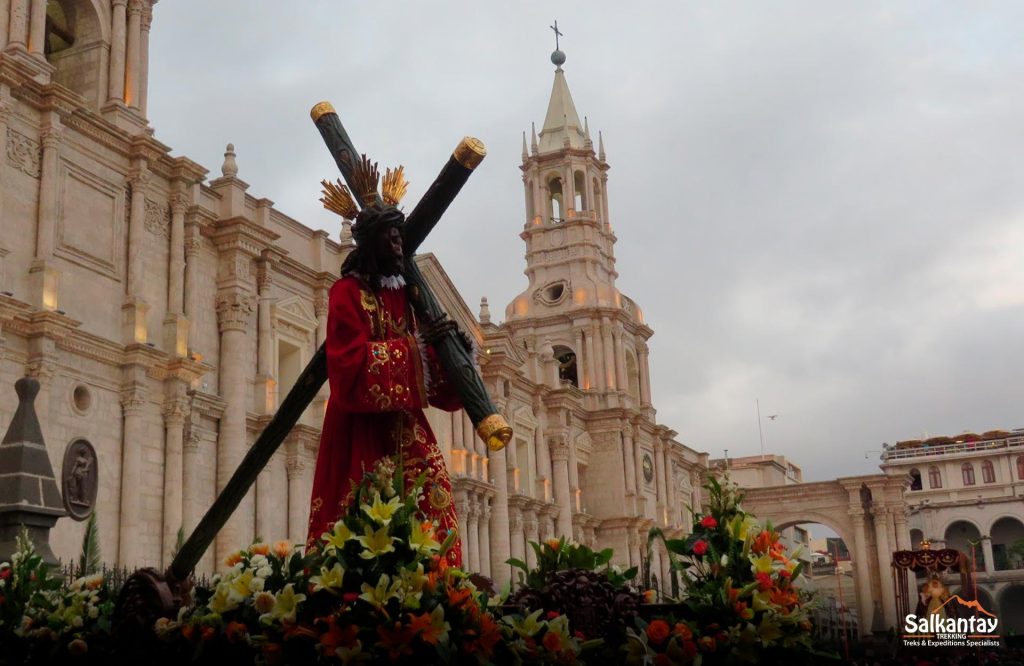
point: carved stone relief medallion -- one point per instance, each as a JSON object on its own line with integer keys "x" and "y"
{"x": 80, "y": 479}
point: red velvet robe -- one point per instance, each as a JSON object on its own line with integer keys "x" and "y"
{"x": 378, "y": 391}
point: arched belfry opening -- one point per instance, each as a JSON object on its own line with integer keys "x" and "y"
{"x": 567, "y": 366}
{"x": 76, "y": 45}
{"x": 556, "y": 208}
{"x": 580, "y": 202}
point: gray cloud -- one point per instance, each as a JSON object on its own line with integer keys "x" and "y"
{"x": 819, "y": 206}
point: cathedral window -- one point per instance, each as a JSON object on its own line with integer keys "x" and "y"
{"x": 988, "y": 472}
{"x": 915, "y": 479}
{"x": 934, "y": 477}
{"x": 967, "y": 470}
{"x": 1020, "y": 467}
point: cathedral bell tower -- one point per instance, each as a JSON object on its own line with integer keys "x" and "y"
{"x": 597, "y": 334}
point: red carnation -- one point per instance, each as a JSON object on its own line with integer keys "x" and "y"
{"x": 700, "y": 547}
{"x": 708, "y": 522}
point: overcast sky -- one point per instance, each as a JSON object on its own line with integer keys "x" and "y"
{"x": 818, "y": 205}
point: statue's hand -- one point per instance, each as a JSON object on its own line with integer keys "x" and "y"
{"x": 433, "y": 331}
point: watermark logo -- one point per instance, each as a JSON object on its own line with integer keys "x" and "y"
{"x": 956, "y": 623}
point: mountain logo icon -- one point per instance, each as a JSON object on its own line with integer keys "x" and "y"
{"x": 974, "y": 605}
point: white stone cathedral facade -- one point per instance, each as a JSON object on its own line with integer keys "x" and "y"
{"x": 166, "y": 315}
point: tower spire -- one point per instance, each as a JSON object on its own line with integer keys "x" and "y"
{"x": 561, "y": 124}
{"x": 533, "y": 138}
{"x": 600, "y": 146}
{"x": 526, "y": 155}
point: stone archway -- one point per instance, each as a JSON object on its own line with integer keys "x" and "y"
{"x": 867, "y": 512}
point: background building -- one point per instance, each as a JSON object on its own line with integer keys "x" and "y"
{"x": 966, "y": 493}
{"x": 166, "y": 315}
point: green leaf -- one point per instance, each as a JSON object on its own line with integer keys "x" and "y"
{"x": 517, "y": 563}
{"x": 604, "y": 557}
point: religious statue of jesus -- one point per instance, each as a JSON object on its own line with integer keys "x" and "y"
{"x": 383, "y": 371}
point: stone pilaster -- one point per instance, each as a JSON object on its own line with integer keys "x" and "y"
{"x": 191, "y": 510}
{"x": 643, "y": 354}
{"x": 43, "y": 276}
{"x": 135, "y": 309}
{"x": 620, "y": 359}
{"x": 560, "y": 471}
{"x": 608, "y": 368}
{"x": 582, "y": 365}
{"x": 176, "y": 325}
{"x": 628, "y": 461}
{"x": 298, "y": 501}
{"x": 193, "y": 244}
{"x": 517, "y": 538}
{"x": 530, "y": 525}
{"x": 265, "y": 381}
{"x": 885, "y": 577}
{"x": 234, "y": 311}
{"x": 471, "y": 541}
{"x": 863, "y": 572}
{"x": 593, "y": 368}
{"x": 176, "y": 411}
{"x": 133, "y": 406}
{"x": 498, "y": 522}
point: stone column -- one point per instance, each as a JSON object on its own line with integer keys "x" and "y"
{"x": 594, "y": 372}
{"x": 645, "y": 374}
{"x": 470, "y": 441}
{"x": 6, "y": 108}
{"x": 609, "y": 354}
{"x": 457, "y": 438}
{"x": 620, "y": 359}
{"x": 899, "y": 516}
{"x": 865, "y": 607}
{"x": 582, "y": 369}
{"x": 37, "y": 28}
{"x": 5, "y": 16}
{"x": 659, "y": 476}
{"x": 147, "y": 23}
{"x": 133, "y": 55}
{"x": 695, "y": 486}
{"x": 298, "y": 501}
{"x": 638, "y": 463}
{"x": 885, "y": 565}
{"x": 234, "y": 309}
{"x": 670, "y": 490}
{"x": 320, "y": 303}
{"x": 17, "y": 35}
{"x": 484, "y": 537}
{"x": 118, "y": 41}
{"x": 498, "y": 522}
{"x": 986, "y": 551}
{"x": 264, "y": 340}
{"x": 133, "y": 405}
{"x": 560, "y": 465}
{"x": 175, "y": 413}
{"x": 629, "y": 462}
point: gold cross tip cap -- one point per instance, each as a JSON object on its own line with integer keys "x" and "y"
{"x": 496, "y": 431}
{"x": 321, "y": 109}
{"x": 470, "y": 152}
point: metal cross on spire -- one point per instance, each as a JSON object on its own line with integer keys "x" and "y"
{"x": 557, "y": 34}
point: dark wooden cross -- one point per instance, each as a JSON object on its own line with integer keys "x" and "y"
{"x": 148, "y": 593}
{"x": 557, "y": 33}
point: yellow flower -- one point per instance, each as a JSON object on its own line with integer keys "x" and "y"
{"x": 329, "y": 579}
{"x": 762, "y": 564}
{"x": 286, "y": 602}
{"x": 381, "y": 512}
{"x": 376, "y": 543}
{"x": 422, "y": 539}
{"x": 222, "y": 600}
{"x": 336, "y": 538}
{"x": 412, "y": 582}
{"x": 242, "y": 584}
{"x": 382, "y": 593}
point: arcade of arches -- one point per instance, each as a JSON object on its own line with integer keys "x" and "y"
{"x": 869, "y": 515}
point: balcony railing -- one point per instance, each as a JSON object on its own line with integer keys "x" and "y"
{"x": 947, "y": 449}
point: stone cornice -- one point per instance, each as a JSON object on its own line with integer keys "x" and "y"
{"x": 208, "y": 404}
{"x": 469, "y": 484}
{"x": 238, "y": 233}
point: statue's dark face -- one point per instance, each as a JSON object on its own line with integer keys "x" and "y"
{"x": 389, "y": 251}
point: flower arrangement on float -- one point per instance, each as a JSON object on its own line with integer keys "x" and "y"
{"x": 376, "y": 588}
{"x": 740, "y": 600}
